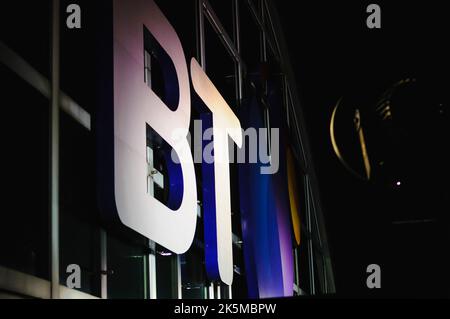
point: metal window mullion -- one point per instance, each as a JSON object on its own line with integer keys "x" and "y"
{"x": 179, "y": 278}
{"x": 148, "y": 68}
{"x": 200, "y": 23}
{"x": 276, "y": 50}
{"x": 239, "y": 79}
{"x": 319, "y": 236}
{"x": 152, "y": 288}
{"x": 316, "y": 224}
{"x": 286, "y": 101}
{"x": 26, "y": 72}
{"x": 211, "y": 291}
{"x": 237, "y": 41}
{"x": 218, "y": 292}
{"x": 297, "y": 267}
{"x": 260, "y": 24}
{"x": 310, "y": 243}
{"x": 263, "y": 35}
{"x": 304, "y": 164}
{"x": 151, "y": 244}
{"x": 220, "y": 30}
{"x": 103, "y": 265}
{"x": 54, "y": 155}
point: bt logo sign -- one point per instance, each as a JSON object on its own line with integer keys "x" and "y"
{"x": 137, "y": 106}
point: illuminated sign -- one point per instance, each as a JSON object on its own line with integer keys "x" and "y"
{"x": 225, "y": 124}
{"x": 265, "y": 211}
{"x": 137, "y": 107}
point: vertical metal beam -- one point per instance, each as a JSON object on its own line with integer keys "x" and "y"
{"x": 273, "y": 41}
{"x": 263, "y": 34}
{"x": 324, "y": 273}
{"x": 236, "y": 26}
{"x": 104, "y": 265}
{"x": 201, "y": 34}
{"x": 310, "y": 242}
{"x": 287, "y": 101}
{"x": 152, "y": 270}
{"x": 237, "y": 43}
{"x": 296, "y": 265}
{"x": 179, "y": 279}
{"x": 218, "y": 296}
{"x": 211, "y": 291}
{"x": 200, "y": 37}
{"x": 151, "y": 280}
{"x": 146, "y": 261}
{"x": 325, "y": 276}
{"x": 54, "y": 156}
{"x": 304, "y": 163}
{"x": 220, "y": 31}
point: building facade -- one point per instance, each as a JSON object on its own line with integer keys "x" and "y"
{"x": 61, "y": 85}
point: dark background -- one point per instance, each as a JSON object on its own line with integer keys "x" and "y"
{"x": 403, "y": 229}
{"x": 333, "y": 54}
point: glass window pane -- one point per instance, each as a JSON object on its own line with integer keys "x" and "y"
{"x": 26, "y": 31}
{"x": 79, "y": 229}
{"x": 166, "y": 274}
{"x": 220, "y": 66}
{"x": 24, "y": 239}
{"x": 250, "y": 36}
{"x": 193, "y": 274}
{"x": 224, "y": 11}
{"x": 127, "y": 269}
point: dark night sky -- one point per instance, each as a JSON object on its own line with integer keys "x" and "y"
{"x": 334, "y": 54}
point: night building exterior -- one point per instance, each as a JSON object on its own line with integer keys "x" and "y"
{"x": 279, "y": 238}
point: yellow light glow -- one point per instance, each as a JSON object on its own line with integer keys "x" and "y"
{"x": 293, "y": 195}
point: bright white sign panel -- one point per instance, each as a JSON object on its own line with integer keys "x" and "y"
{"x": 135, "y": 106}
